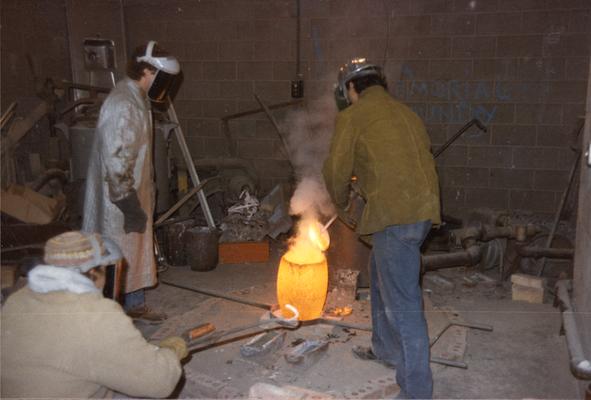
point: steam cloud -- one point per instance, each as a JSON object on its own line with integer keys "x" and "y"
{"x": 309, "y": 133}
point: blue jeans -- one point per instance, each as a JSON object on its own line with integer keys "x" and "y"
{"x": 133, "y": 300}
{"x": 400, "y": 334}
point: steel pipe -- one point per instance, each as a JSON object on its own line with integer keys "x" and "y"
{"x": 579, "y": 365}
{"x": 539, "y": 252}
{"x": 470, "y": 256}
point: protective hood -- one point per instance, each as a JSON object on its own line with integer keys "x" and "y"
{"x": 49, "y": 278}
{"x": 167, "y": 68}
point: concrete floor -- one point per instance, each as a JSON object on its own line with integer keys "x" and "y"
{"x": 524, "y": 356}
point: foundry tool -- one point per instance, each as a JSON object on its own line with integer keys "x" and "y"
{"x": 459, "y": 133}
{"x": 327, "y": 321}
{"x": 207, "y": 340}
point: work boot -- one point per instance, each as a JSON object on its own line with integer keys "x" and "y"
{"x": 147, "y": 315}
{"x": 366, "y": 354}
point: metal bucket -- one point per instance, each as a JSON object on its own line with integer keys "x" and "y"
{"x": 176, "y": 252}
{"x": 201, "y": 244}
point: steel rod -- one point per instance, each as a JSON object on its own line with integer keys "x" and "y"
{"x": 182, "y": 201}
{"x": 221, "y": 295}
{"x": 571, "y": 177}
{"x": 539, "y": 252}
{"x": 449, "y": 363}
{"x": 190, "y": 166}
{"x": 261, "y": 109}
{"x": 276, "y": 125}
{"x": 459, "y": 133}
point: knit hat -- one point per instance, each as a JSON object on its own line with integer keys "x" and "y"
{"x": 80, "y": 250}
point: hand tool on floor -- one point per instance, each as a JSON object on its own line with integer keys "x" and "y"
{"x": 205, "y": 341}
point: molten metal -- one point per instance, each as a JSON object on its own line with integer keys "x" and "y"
{"x": 302, "y": 279}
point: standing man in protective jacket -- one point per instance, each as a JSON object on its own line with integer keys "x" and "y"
{"x": 120, "y": 192}
{"x": 385, "y": 145}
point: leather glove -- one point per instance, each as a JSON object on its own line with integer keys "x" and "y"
{"x": 176, "y": 344}
{"x": 346, "y": 218}
{"x": 134, "y": 218}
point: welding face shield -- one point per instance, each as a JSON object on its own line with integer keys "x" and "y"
{"x": 356, "y": 68}
{"x": 167, "y": 69}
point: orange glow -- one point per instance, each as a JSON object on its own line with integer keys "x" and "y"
{"x": 302, "y": 279}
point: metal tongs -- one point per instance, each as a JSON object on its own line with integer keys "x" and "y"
{"x": 213, "y": 338}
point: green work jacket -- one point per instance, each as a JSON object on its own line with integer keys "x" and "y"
{"x": 385, "y": 145}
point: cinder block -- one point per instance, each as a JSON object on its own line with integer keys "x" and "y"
{"x": 505, "y": 23}
{"x": 510, "y": 178}
{"x": 218, "y": 108}
{"x": 470, "y": 46}
{"x": 202, "y": 385}
{"x": 519, "y": 46}
{"x": 255, "y": 70}
{"x": 379, "y": 388}
{"x": 202, "y": 51}
{"x": 219, "y": 70}
{"x": 243, "y": 252}
{"x": 267, "y": 391}
{"x": 528, "y": 294}
{"x": 536, "y": 201}
{"x": 236, "y": 51}
{"x": 485, "y": 197}
{"x": 236, "y": 89}
{"x": 550, "y": 180}
{"x": 430, "y": 47}
{"x": 516, "y": 135}
{"x": 528, "y": 281}
{"x": 490, "y": 156}
{"x": 455, "y": 24}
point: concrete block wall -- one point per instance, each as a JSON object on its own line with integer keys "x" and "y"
{"x": 34, "y": 30}
{"x": 520, "y": 66}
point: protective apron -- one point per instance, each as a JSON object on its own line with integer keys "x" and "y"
{"x": 121, "y": 161}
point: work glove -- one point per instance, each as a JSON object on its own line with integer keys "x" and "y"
{"x": 346, "y": 218}
{"x": 134, "y": 218}
{"x": 176, "y": 344}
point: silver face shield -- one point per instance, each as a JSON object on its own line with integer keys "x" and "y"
{"x": 160, "y": 86}
{"x": 167, "y": 69}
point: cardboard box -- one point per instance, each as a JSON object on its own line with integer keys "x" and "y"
{"x": 528, "y": 281}
{"x": 243, "y": 252}
{"x": 29, "y": 206}
{"x": 529, "y": 294}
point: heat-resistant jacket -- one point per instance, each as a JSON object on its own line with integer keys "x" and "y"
{"x": 385, "y": 145}
{"x": 68, "y": 345}
{"x": 121, "y": 160}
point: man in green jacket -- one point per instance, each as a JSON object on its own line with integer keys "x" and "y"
{"x": 384, "y": 144}
{"x": 62, "y": 339}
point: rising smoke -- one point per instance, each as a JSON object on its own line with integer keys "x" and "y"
{"x": 309, "y": 132}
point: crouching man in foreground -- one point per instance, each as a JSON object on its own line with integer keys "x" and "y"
{"x": 62, "y": 338}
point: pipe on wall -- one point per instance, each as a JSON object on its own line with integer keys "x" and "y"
{"x": 579, "y": 365}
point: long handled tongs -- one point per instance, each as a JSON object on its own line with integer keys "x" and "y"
{"x": 214, "y": 337}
